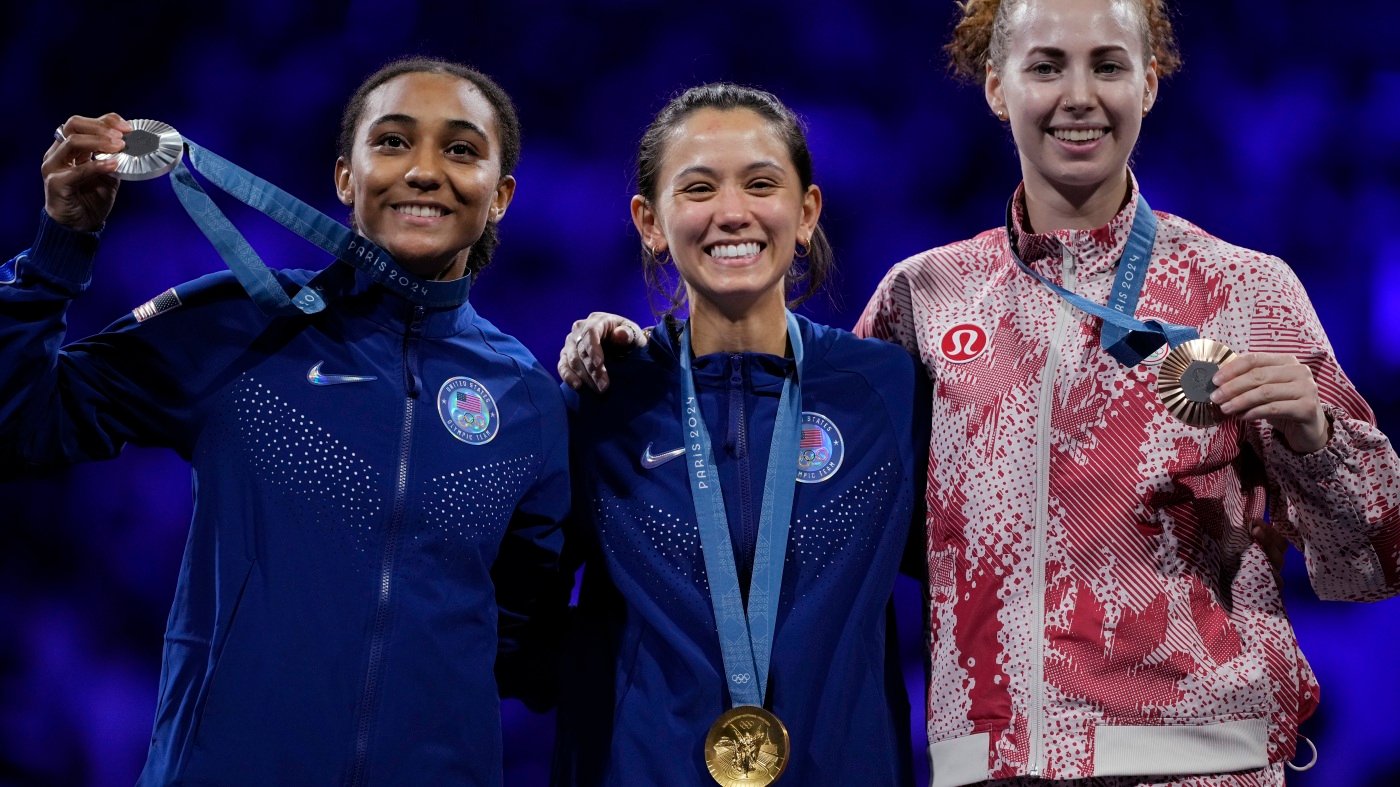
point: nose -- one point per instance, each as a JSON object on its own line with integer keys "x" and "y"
{"x": 1079, "y": 92}
{"x": 732, "y": 210}
{"x": 426, "y": 170}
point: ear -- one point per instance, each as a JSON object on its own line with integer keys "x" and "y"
{"x": 505, "y": 192}
{"x": 1149, "y": 98}
{"x": 991, "y": 88}
{"x": 344, "y": 185}
{"x": 648, "y": 226}
{"x": 811, "y": 213}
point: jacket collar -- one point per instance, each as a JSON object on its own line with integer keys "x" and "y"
{"x": 765, "y": 369}
{"x": 353, "y": 295}
{"x": 1094, "y": 251}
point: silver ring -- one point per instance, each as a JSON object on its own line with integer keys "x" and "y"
{"x": 58, "y": 134}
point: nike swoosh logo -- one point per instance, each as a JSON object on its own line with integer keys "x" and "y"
{"x": 316, "y": 377}
{"x": 652, "y": 461}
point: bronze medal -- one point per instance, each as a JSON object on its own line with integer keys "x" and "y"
{"x": 746, "y": 746}
{"x": 152, "y": 149}
{"x": 1183, "y": 381}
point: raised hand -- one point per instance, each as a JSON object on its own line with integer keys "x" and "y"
{"x": 79, "y": 190}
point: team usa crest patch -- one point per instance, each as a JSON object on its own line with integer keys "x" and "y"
{"x": 820, "y": 449}
{"x": 468, "y": 410}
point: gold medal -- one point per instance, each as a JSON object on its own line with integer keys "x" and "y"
{"x": 152, "y": 149}
{"x": 1183, "y": 381}
{"x": 746, "y": 746}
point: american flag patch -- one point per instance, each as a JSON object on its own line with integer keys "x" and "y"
{"x": 158, "y": 305}
{"x": 466, "y": 400}
{"x": 811, "y": 438}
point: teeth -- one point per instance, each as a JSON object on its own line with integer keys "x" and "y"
{"x": 421, "y": 211}
{"x": 1078, "y": 134}
{"x": 732, "y": 250}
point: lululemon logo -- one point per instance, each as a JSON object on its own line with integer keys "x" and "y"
{"x": 962, "y": 343}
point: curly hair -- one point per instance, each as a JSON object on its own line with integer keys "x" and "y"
{"x": 984, "y": 26}
{"x": 507, "y": 128}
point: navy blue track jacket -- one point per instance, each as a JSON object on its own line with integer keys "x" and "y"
{"x": 360, "y": 474}
{"x": 644, "y": 675}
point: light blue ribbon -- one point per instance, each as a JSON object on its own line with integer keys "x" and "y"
{"x": 746, "y": 639}
{"x": 1126, "y": 338}
{"x": 321, "y": 230}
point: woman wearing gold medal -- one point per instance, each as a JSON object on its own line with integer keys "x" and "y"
{"x": 742, "y": 495}
{"x": 1099, "y": 609}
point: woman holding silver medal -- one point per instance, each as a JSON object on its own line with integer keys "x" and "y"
{"x": 1098, "y": 607}
{"x": 380, "y": 473}
{"x": 743, "y": 495}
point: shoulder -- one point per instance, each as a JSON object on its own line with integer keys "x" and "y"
{"x": 1195, "y": 248}
{"x": 1189, "y": 242}
{"x": 640, "y": 378}
{"x": 950, "y": 269}
{"x": 863, "y": 367}
{"x": 509, "y": 357}
{"x": 213, "y": 302}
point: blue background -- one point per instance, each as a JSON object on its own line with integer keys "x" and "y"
{"x": 1279, "y": 135}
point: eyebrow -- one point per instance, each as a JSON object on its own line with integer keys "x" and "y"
{"x": 700, "y": 169}
{"x": 409, "y": 120}
{"x": 1098, "y": 51}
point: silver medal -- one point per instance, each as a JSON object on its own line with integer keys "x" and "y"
{"x": 152, "y": 149}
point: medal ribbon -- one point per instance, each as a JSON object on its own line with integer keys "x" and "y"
{"x": 321, "y": 230}
{"x": 1126, "y": 338}
{"x": 746, "y": 640}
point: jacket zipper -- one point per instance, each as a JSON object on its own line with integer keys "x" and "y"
{"x": 370, "y": 697}
{"x": 741, "y": 452}
{"x": 1064, "y": 314}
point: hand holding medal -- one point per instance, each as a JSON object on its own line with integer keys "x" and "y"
{"x": 91, "y": 155}
{"x": 1275, "y": 387}
{"x": 79, "y": 183}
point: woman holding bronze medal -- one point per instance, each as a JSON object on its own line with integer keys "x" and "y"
{"x": 361, "y": 536}
{"x": 1119, "y": 396}
{"x": 743, "y": 495}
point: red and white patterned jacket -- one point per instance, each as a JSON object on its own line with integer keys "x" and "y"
{"x": 1098, "y": 606}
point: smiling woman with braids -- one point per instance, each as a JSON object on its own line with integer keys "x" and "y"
{"x": 379, "y": 485}
{"x": 1098, "y": 607}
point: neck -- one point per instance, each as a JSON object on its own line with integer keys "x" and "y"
{"x": 760, "y": 328}
{"x": 1051, "y": 207}
{"x": 450, "y": 269}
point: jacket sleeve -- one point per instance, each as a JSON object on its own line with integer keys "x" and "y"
{"x": 1340, "y": 504}
{"x": 890, "y": 313}
{"x": 527, "y": 574}
{"x": 915, "y": 562}
{"x": 60, "y": 405}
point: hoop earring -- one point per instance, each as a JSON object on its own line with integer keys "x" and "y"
{"x": 802, "y": 250}
{"x": 663, "y": 259}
